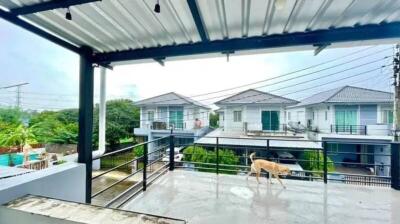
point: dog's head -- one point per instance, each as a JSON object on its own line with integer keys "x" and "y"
{"x": 284, "y": 170}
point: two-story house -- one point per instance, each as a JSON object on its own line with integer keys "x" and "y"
{"x": 168, "y": 112}
{"x": 345, "y": 117}
{"x": 346, "y": 110}
{"x": 253, "y": 110}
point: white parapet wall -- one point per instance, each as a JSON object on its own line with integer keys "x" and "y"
{"x": 65, "y": 182}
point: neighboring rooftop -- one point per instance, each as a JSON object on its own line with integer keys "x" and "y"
{"x": 348, "y": 94}
{"x": 252, "y": 96}
{"x": 170, "y": 99}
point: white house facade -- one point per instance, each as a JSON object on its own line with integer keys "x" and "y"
{"x": 182, "y": 115}
{"x": 346, "y": 110}
{"x": 345, "y": 117}
{"x": 253, "y": 110}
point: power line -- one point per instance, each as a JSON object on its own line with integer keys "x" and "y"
{"x": 300, "y": 76}
{"x": 286, "y": 80}
{"x": 305, "y": 74}
{"x": 269, "y": 79}
{"x": 18, "y": 86}
{"x": 292, "y": 72}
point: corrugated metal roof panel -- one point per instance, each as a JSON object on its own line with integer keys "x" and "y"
{"x": 351, "y": 94}
{"x": 170, "y": 99}
{"x": 116, "y": 25}
{"x": 348, "y": 94}
{"x": 253, "y": 96}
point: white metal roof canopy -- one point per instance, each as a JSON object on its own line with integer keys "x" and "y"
{"x": 121, "y": 26}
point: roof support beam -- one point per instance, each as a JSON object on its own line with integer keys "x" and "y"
{"x": 49, "y": 5}
{"x": 160, "y": 61}
{"x": 21, "y": 23}
{"x": 197, "y": 19}
{"x": 360, "y": 33}
{"x": 320, "y": 47}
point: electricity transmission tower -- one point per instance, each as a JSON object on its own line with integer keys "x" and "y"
{"x": 18, "y": 86}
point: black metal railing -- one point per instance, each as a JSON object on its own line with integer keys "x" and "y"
{"x": 258, "y": 129}
{"x": 351, "y": 163}
{"x": 161, "y": 125}
{"x": 144, "y": 165}
{"x": 323, "y": 163}
{"x": 349, "y": 129}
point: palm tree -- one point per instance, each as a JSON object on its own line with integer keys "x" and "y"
{"x": 21, "y": 136}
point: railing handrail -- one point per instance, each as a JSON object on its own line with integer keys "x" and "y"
{"x": 128, "y": 148}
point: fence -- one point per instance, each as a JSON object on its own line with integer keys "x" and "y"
{"x": 156, "y": 155}
{"x": 349, "y": 129}
{"x": 307, "y": 160}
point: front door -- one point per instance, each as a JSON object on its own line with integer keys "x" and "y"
{"x": 270, "y": 120}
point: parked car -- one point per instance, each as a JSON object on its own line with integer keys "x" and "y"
{"x": 282, "y": 157}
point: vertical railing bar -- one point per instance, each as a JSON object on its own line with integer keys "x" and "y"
{"x": 217, "y": 155}
{"x": 145, "y": 161}
{"x": 325, "y": 158}
{"x": 171, "y": 153}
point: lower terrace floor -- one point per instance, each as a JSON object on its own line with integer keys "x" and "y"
{"x": 207, "y": 198}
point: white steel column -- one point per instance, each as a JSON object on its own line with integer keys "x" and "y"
{"x": 102, "y": 115}
{"x": 102, "y": 111}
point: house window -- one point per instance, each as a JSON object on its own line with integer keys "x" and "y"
{"x": 150, "y": 115}
{"x": 176, "y": 117}
{"x": 313, "y": 115}
{"x": 326, "y": 115}
{"x": 289, "y": 116}
{"x": 387, "y": 116}
{"x": 162, "y": 114}
{"x": 333, "y": 148}
{"x": 237, "y": 116}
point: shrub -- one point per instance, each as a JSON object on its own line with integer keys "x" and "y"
{"x": 314, "y": 161}
{"x": 201, "y": 155}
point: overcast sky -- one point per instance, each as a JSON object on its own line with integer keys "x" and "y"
{"x": 52, "y": 73}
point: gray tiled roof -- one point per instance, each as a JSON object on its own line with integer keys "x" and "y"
{"x": 253, "y": 96}
{"x": 348, "y": 94}
{"x": 170, "y": 99}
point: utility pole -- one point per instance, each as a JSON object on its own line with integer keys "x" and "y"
{"x": 18, "y": 100}
{"x": 396, "y": 83}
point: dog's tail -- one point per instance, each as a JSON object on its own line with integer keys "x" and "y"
{"x": 251, "y": 156}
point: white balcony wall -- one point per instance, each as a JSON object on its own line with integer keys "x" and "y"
{"x": 251, "y": 114}
{"x": 66, "y": 182}
{"x": 190, "y": 113}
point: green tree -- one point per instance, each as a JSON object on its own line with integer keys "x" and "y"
{"x": 314, "y": 161}
{"x": 19, "y": 137}
{"x": 56, "y": 126}
{"x": 122, "y": 117}
{"x": 11, "y": 116}
{"x": 200, "y": 155}
{"x": 214, "y": 118}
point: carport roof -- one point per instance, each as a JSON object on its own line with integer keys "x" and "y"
{"x": 122, "y": 30}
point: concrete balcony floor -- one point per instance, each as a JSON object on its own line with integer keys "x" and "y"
{"x": 207, "y": 198}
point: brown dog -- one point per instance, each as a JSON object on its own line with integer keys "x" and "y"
{"x": 273, "y": 168}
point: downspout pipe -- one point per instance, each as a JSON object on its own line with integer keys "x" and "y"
{"x": 102, "y": 115}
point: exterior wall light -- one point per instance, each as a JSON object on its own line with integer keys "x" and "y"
{"x": 157, "y": 7}
{"x": 68, "y": 15}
